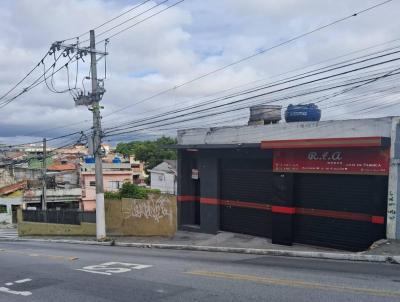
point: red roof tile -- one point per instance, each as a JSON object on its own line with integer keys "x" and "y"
{"x": 62, "y": 167}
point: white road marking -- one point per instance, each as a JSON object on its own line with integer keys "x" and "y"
{"x": 93, "y": 272}
{"x": 23, "y": 280}
{"x": 9, "y": 291}
{"x": 110, "y": 268}
{"x": 14, "y": 292}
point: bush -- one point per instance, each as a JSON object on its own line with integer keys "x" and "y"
{"x": 112, "y": 195}
{"x": 129, "y": 190}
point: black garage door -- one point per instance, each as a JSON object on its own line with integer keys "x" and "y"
{"x": 245, "y": 193}
{"x": 336, "y": 210}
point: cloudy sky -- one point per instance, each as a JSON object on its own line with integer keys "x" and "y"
{"x": 182, "y": 43}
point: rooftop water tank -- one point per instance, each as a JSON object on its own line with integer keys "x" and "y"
{"x": 116, "y": 160}
{"x": 302, "y": 113}
{"x": 265, "y": 114}
{"x": 89, "y": 160}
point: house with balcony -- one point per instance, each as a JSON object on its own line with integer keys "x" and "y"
{"x": 63, "y": 187}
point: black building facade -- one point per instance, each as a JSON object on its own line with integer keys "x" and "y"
{"x": 328, "y": 192}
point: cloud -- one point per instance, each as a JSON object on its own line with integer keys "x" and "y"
{"x": 180, "y": 44}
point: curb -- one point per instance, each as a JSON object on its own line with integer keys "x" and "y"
{"x": 69, "y": 241}
{"x": 268, "y": 252}
{"x": 215, "y": 249}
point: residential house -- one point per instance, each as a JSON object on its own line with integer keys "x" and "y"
{"x": 139, "y": 173}
{"x": 114, "y": 175}
{"x": 63, "y": 187}
{"x": 9, "y": 204}
{"x": 10, "y": 196}
{"x": 164, "y": 177}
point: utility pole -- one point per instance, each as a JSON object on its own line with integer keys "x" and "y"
{"x": 100, "y": 213}
{"x": 92, "y": 100}
{"x": 44, "y": 205}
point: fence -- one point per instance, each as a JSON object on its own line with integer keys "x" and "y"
{"x": 59, "y": 216}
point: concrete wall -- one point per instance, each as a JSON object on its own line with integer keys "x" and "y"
{"x": 256, "y": 134}
{"x": 54, "y": 229}
{"x": 6, "y": 217}
{"x": 27, "y": 174}
{"x": 155, "y": 216}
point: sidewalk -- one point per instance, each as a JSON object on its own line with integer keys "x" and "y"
{"x": 7, "y": 226}
{"x": 381, "y": 251}
{"x": 222, "y": 239}
{"x": 384, "y": 247}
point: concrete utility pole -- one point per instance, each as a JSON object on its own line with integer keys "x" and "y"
{"x": 92, "y": 100}
{"x": 44, "y": 168}
{"x": 100, "y": 213}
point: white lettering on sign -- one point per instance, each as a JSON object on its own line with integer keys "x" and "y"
{"x": 110, "y": 268}
{"x": 14, "y": 292}
{"x": 325, "y": 156}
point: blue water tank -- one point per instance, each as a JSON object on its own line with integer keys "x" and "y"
{"x": 302, "y": 113}
{"x": 116, "y": 160}
{"x": 89, "y": 160}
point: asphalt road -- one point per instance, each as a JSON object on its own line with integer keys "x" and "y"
{"x": 64, "y": 272}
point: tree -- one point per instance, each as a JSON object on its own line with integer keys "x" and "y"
{"x": 151, "y": 153}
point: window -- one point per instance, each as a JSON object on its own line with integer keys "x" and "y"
{"x": 92, "y": 183}
{"x": 160, "y": 177}
{"x": 114, "y": 185}
{"x": 3, "y": 209}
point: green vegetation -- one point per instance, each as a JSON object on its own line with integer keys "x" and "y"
{"x": 129, "y": 190}
{"x": 151, "y": 153}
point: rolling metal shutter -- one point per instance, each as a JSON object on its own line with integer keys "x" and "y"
{"x": 245, "y": 189}
{"x": 347, "y": 195}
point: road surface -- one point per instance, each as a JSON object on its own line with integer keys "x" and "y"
{"x": 43, "y": 272}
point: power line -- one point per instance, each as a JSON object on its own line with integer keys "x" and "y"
{"x": 143, "y": 20}
{"x": 24, "y": 78}
{"x": 128, "y": 20}
{"x": 265, "y": 87}
{"x": 250, "y": 56}
{"x": 223, "y": 112}
{"x": 291, "y": 77}
{"x": 108, "y": 21}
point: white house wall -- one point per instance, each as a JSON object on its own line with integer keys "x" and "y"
{"x": 9, "y": 202}
{"x": 166, "y": 185}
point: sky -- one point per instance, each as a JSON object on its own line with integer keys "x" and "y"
{"x": 182, "y": 43}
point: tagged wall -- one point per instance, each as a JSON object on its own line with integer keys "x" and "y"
{"x": 155, "y": 216}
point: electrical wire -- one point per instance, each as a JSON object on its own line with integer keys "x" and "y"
{"x": 109, "y": 21}
{"x": 262, "y": 51}
{"x": 121, "y": 131}
{"x": 274, "y": 91}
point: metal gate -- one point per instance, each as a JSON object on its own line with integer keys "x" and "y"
{"x": 245, "y": 194}
{"x": 339, "y": 211}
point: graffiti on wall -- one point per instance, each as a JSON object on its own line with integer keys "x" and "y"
{"x": 156, "y": 207}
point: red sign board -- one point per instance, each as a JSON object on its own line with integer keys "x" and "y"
{"x": 373, "y": 161}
